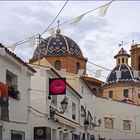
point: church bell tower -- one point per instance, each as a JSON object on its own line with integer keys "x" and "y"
{"x": 135, "y": 57}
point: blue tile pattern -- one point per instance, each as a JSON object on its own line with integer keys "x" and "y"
{"x": 127, "y": 74}
{"x": 60, "y": 45}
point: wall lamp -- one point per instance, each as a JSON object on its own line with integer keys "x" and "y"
{"x": 98, "y": 124}
{"x": 64, "y": 104}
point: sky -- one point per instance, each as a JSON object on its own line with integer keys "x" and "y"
{"x": 98, "y": 37}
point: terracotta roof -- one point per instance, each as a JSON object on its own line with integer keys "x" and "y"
{"x": 90, "y": 81}
{"x": 122, "y": 52}
{"x": 93, "y": 80}
{"x": 17, "y": 58}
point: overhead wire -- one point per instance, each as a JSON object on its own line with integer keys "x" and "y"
{"x": 99, "y": 66}
{"x": 54, "y": 18}
{"x": 26, "y": 40}
{"x": 86, "y": 68}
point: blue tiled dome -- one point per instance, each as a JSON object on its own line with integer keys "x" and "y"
{"x": 58, "y": 46}
{"x": 127, "y": 74}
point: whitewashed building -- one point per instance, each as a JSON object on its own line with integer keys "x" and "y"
{"x": 47, "y": 115}
{"x": 99, "y": 118}
{"x": 15, "y": 80}
{"x": 118, "y": 120}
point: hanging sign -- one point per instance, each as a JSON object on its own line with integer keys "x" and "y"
{"x": 57, "y": 86}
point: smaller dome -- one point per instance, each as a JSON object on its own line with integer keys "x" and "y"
{"x": 123, "y": 73}
{"x": 122, "y": 52}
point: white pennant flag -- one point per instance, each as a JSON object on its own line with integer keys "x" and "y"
{"x": 98, "y": 73}
{"x": 118, "y": 74}
{"x": 103, "y": 9}
{"x": 136, "y": 74}
{"x": 52, "y": 32}
{"x": 13, "y": 47}
{"x": 32, "y": 41}
{"x": 77, "y": 20}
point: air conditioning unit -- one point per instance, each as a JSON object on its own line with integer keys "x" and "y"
{"x": 42, "y": 133}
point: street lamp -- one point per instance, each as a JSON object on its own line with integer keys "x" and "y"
{"x": 64, "y": 104}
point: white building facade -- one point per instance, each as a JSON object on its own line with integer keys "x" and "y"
{"x": 96, "y": 118}
{"x": 15, "y": 76}
{"x": 46, "y": 112}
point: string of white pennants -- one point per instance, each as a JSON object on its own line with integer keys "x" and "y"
{"x": 34, "y": 39}
{"x": 118, "y": 74}
{"x": 97, "y": 73}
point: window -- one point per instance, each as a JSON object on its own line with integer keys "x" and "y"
{"x": 57, "y": 65}
{"x": 65, "y": 136}
{"x": 118, "y": 61}
{"x": 110, "y": 94}
{"x": 122, "y": 60}
{"x": 54, "y": 134}
{"x": 125, "y": 93}
{"x": 73, "y": 111}
{"x": 17, "y": 135}
{"x": 54, "y": 100}
{"x": 126, "y": 125}
{"x": 126, "y": 61}
{"x": 11, "y": 81}
{"x": 77, "y": 67}
{"x": 67, "y": 108}
{"x": 94, "y": 90}
{"x": 11, "y": 78}
{"x": 60, "y": 135}
{"x": 109, "y": 123}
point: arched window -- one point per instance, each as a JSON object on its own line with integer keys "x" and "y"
{"x": 126, "y": 60}
{"x": 119, "y": 61}
{"x": 123, "y": 60}
{"x": 77, "y": 67}
{"x": 57, "y": 65}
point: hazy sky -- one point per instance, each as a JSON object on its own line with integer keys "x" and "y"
{"x": 98, "y": 37}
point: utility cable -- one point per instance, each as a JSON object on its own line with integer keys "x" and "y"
{"x": 26, "y": 40}
{"x": 54, "y": 18}
{"x": 99, "y": 66}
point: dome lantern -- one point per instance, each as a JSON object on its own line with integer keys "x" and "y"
{"x": 122, "y": 57}
{"x": 122, "y": 72}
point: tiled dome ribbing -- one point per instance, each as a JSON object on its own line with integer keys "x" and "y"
{"x": 122, "y": 72}
{"x": 127, "y": 74}
{"x": 58, "y": 46}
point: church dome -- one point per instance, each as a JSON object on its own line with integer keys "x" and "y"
{"x": 122, "y": 73}
{"x": 60, "y": 45}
